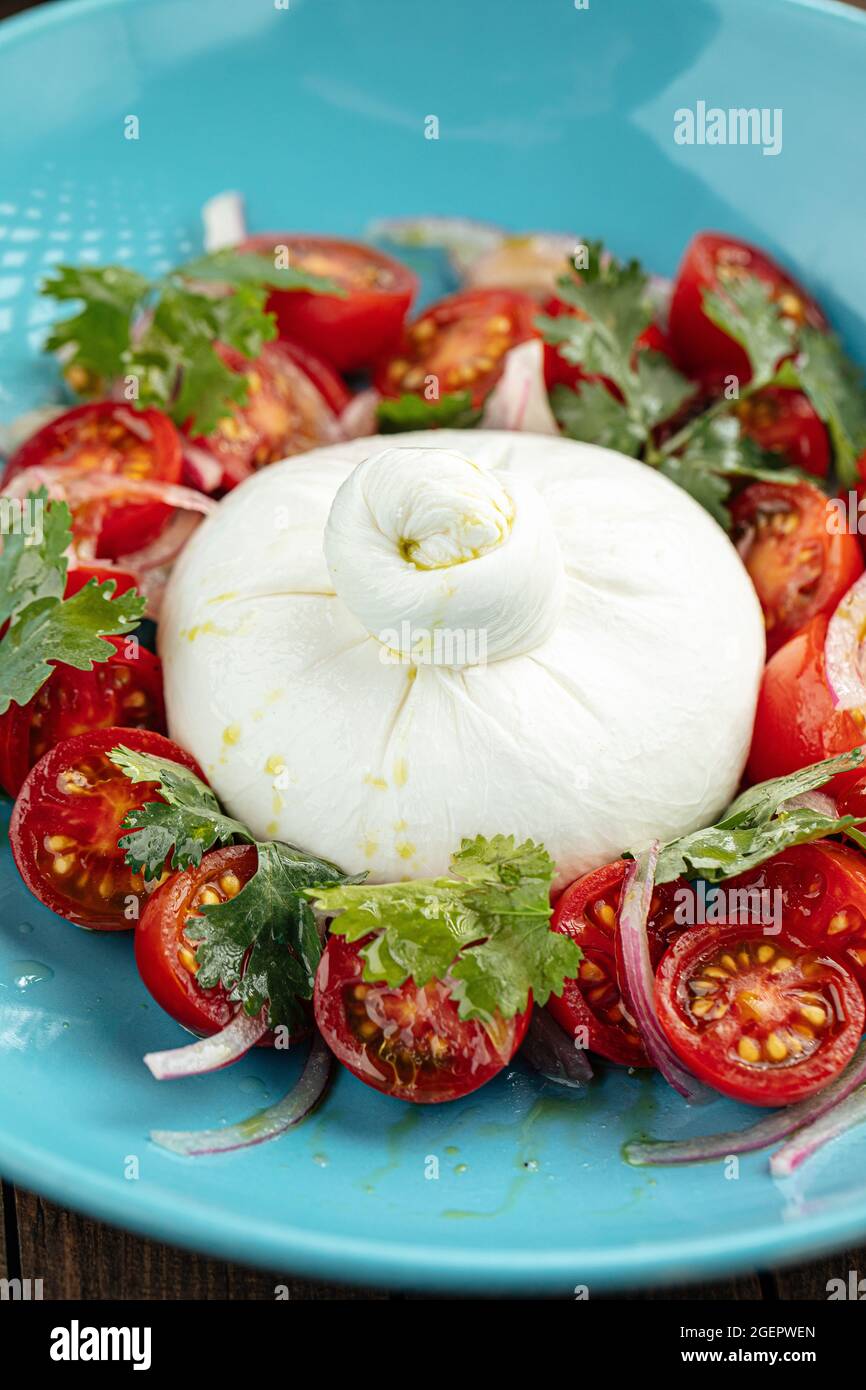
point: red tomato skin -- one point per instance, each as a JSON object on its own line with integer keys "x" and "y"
{"x": 823, "y": 896}
{"x": 842, "y": 558}
{"x": 783, "y": 421}
{"x": 348, "y": 333}
{"x": 602, "y": 948}
{"x": 128, "y": 526}
{"x": 467, "y": 308}
{"x": 698, "y": 344}
{"x": 340, "y": 971}
{"x": 84, "y": 703}
{"x": 782, "y": 1086}
{"x": 41, "y": 781}
{"x": 559, "y": 372}
{"x": 158, "y": 937}
{"x": 796, "y": 722}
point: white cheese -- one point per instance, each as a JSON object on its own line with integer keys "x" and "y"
{"x": 470, "y": 633}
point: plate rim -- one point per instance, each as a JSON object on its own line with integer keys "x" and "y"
{"x": 155, "y": 1212}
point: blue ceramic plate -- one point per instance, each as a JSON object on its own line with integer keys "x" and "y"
{"x": 550, "y": 117}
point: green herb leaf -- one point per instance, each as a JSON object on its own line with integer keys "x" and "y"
{"x": 835, "y": 387}
{"x": 173, "y": 357}
{"x": 33, "y": 566}
{"x": 593, "y": 415}
{"x": 707, "y": 488}
{"x": 270, "y": 918}
{"x": 486, "y": 928}
{"x": 757, "y": 825}
{"x": 177, "y": 830}
{"x": 71, "y": 632}
{"x": 408, "y": 412}
{"x": 263, "y": 944}
{"x": 98, "y": 335}
{"x": 746, "y": 311}
{"x": 718, "y": 450}
{"x": 662, "y": 389}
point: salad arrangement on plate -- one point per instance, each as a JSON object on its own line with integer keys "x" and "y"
{"x": 501, "y": 673}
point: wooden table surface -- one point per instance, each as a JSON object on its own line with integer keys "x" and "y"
{"x": 81, "y": 1259}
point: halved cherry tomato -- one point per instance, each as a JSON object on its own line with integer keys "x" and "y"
{"x": 67, "y": 820}
{"x": 822, "y": 894}
{"x": 410, "y": 1043}
{"x": 328, "y": 382}
{"x": 765, "y": 1020}
{"x": 462, "y": 342}
{"x": 593, "y": 1002}
{"x": 783, "y": 422}
{"x": 111, "y": 438}
{"x": 123, "y": 692}
{"x": 796, "y": 722}
{"x": 711, "y": 261}
{"x": 799, "y": 567}
{"x": 350, "y": 332}
{"x": 165, "y": 956}
{"x": 285, "y": 412}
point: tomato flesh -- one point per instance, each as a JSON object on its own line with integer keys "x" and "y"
{"x": 765, "y": 1020}
{"x": 165, "y": 955}
{"x": 285, "y": 413}
{"x": 782, "y": 421}
{"x": 123, "y": 692}
{"x": 821, "y": 891}
{"x": 798, "y": 566}
{"x": 796, "y": 722}
{"x": 712, "y": 261}
{"x": 408, "y": 1042}
{"x": 592, "y": 1007}
{"x": 460, "y": 342}
{"x": 348, "y": 332}
{"x": 67, "y": 820}
{"x": 111, "y": 438}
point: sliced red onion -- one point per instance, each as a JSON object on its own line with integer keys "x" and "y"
{"x": 549, "y": 1050}
{"x": 639, "y": 983}
{"x": 208, "y": 1054}
{"x": 519, "y": 399}
{"x": 812, "y": 801}
{"x": 770, "y": 1130}
{"x": 843, "y": 649}
{"x": 831, "y": 1125}
{"x": 200, "y": 469}
{"x": 531, "y": 263}
{"x": 359, "y": 417}
{"x": 224, "y": 221}
{"x": 80, "y": 488}
{"x": 265, "y": 1124}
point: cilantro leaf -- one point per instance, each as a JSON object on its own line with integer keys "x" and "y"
{"x": 718, "y": 450}
{"x": 272, "y": 920}
{"x": 661, "y": 387}
{"x": 593, "y": 415}
{"x": 98, "y": 335}
{"x": 486, "y": 928}
{"x": 836, "y": 390}
{"x": 70, "y": 631}
{"x": 706, "y": 487}
{"x": 180, "y": 828}
{"x": 33, "y": 567}
{"x": 746, "y": 311}
{"x": 758, "y": 824}
{"x": 409, "y": 412}
{"x": 263, "y": 945}
{"x": 172, "y": 353}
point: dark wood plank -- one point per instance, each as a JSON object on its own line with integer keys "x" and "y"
{"x": 82, "y": 1259}
{"x": 812, "y": 1281}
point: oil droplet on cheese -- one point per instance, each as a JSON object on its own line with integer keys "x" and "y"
{"x": 275, "y": 764}
{"x": 378, "y": 782}
{"x": 405, "y": 849}
{"x": 370, "y": 848}
{"x": 232, "y": 734}
{"x": 401, "y": 772}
